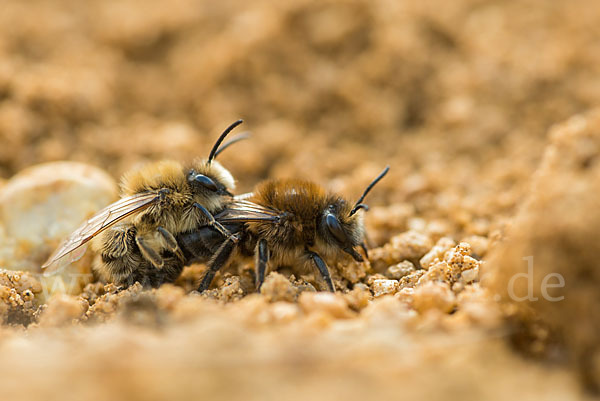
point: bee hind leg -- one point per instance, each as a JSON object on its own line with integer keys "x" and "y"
{"x": 149, "y": 254}
{"x": 322, "y": 267}
{"x": 219, "y": 260}
{"x": 214, "y": 223}
{"x": 171, "y": 243}
{"x": 261, "y": 262}
{"x": 118, "y": 241}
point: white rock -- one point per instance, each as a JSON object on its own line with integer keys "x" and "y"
{"x": 383, "y": 287}
{"x": 43, "y": 204}
{"x": 470, "y": 275}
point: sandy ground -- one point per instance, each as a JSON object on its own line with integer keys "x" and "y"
{"x": 460, "y": 98}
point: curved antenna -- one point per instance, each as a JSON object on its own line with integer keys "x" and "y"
{"x": 359, "y": 205}
{"x": 215, "y": 148}
{"x": 237, "y": 138}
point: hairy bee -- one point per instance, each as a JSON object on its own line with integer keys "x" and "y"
{"x": 133, "y": 236}
{"x": 283, "y": 223}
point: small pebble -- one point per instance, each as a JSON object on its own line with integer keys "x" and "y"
{"x": 278, "y": 288}
{"x": 353, "y": 271}
{"x": 437, "y": 252}
{"x": 328, "y": 303}
{"x": 384, "y": 287}
{"x": 359, "y": 297}
{"x": 434, "y": 295}
{"x": 400, "y": 270}
{"x": 411, "y": 245}
{"x": 470, "y": 275}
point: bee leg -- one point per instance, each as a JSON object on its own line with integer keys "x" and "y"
{"x": 149, "y": 254}
{"x": 118, "y": 244}
{"x": 214, "y": 223}
{"x": 322, "y": 266}
{"x": 364, "y": 248}
{"x": 261, "y": 262}
{"x": 218, "y": 261}
{"x": 171, "y": 243}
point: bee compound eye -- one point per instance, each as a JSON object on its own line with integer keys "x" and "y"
{"x": 335, "y": 228}
{"x": 206, "y": 182}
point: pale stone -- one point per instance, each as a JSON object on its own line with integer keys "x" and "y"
{"x": 384, "y": 287}
{"x": 42, "y": 205}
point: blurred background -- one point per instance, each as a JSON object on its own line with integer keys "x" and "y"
{"x": 458, "y": 97}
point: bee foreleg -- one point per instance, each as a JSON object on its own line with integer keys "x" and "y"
{"x": 171, "y": 243}
{"x": 322, "y": 266}
{"x": 364, "y": 248}
{"x": 149, "y": 254}
{"x": 262, "y": 258}
{"x": 218, "y": 261}
{"x": 214, "y": 223}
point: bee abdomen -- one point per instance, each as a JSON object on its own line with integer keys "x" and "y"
{"x": 200, "y": 245}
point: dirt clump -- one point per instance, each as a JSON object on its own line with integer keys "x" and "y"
{"x": 551, "y": 248}
{"x": 18, "y": 292}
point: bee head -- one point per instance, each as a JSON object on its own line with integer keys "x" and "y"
{"x": 342, "y": 230}
{"x": 208, "y": 177}
{"x": 342, "y": 226}
{"x": 210, "y": 180}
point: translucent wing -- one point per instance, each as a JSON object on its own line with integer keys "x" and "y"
{"x": 245, "y": 196}
{"x": 105, "y": 218}
{"x": 241, "y": 210}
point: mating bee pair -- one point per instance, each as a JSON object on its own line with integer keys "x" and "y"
{"x": 172, "y": 215}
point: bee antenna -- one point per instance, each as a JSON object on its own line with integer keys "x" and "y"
{"x": 237, "y": 138}
{"x": 359, "y": 205}
{"x": 213, "y": 152}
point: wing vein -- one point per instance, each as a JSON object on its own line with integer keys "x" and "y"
{"x": 102, "y": 220}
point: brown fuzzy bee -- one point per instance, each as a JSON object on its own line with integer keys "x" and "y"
{"x": 161, "y": 200}
{"x": 284, "y": 223}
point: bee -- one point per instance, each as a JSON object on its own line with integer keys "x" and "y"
{"x": 285, "y": 222}
{"x": 133, "y": 236}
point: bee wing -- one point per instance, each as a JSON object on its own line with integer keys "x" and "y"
{"x": 105, "y": 218}
{"x": 245, "y": 211}
{"x": 245, "y": 196}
